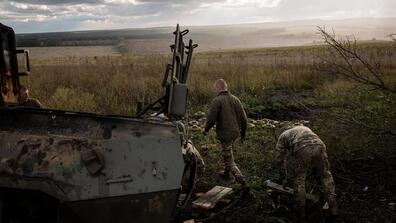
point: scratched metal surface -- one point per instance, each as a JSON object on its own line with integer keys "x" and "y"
{"x": 78, "y": 156}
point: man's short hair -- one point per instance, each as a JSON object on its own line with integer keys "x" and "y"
{"x": 221, "y": 84}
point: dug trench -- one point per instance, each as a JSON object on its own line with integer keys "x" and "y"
{"x": 365, "y": 184}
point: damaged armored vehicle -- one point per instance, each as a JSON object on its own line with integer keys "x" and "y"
{"x": 63, "y": 166}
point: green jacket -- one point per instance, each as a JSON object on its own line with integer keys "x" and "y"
{"x": 226, "y": 111}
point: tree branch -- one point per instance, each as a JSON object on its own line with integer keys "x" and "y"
{"x": 350, "y": 58}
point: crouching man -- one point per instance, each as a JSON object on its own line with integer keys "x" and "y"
{"x": 309, "y": 153}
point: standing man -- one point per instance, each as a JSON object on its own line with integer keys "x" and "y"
{"x": 226, "y": 111}
{"x": 309, "y": 153}
{"x": 24, "y": 99}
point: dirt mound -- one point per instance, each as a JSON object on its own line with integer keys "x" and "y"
{"x": 283, "y": 105}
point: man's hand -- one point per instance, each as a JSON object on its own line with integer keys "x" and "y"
{"x": 204, "y": 132}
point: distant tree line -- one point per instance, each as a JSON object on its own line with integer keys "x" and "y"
{"x": 62, "y": 42}
{"x": 86, "y": 38}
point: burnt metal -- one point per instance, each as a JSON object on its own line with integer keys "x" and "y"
{"x": 73, "y": 162}
{"x": 147, "y": 207}
{"x": 35, "y": 206}
{"x": 62, "y": 166}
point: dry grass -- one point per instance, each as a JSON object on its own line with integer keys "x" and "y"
{"x": 113, "y": 84}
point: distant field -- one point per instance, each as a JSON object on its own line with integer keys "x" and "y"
{"x": 42, "y": 53}
{"x": 157, "y": 40}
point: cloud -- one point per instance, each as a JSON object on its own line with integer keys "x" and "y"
{"x": 58, "y": 2}
{"x": 58, "y": 15}
{"x": 256, "y": 3}
{"x": 292, "y": 9}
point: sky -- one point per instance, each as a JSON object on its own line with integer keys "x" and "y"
{"x": 27, "y": 16}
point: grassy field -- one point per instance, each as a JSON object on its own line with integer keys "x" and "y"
{"x": 116, "y": 83}
{"x": 290, "y": 83}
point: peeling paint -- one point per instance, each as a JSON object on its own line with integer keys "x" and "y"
{"x": 37, "y": 154}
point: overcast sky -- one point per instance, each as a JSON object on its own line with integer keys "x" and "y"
{"x": 65, "y": 15}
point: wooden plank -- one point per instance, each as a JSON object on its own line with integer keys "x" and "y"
{"x": 278, "y": 187}
{"x": 211, "y": 193}
{"x": 212, "y": 202}
{"x": 288, "y": 190}
{"x": 199, "y": 194}
{"x": 212, "y": 197}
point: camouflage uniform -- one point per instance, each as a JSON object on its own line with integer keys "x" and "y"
{"x": 226, "y": 111}
{"x": 309, "y": 153}
{"x": 31, "y": 103}
{"x": 230, "y": 166}
{"x": 190, "y": 153}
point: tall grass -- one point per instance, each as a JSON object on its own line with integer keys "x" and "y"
{"x": 114, "y": 84}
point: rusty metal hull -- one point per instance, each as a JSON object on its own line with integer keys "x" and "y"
{"x": 147, "y": 207}
{"x": 27, "y": 206}
{"x": 95, "y": 165}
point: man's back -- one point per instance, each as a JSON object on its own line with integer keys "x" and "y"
{"x": 226, "y": 111}
{"x": 309, "y": 152}
{"x": 297, "y": 138}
